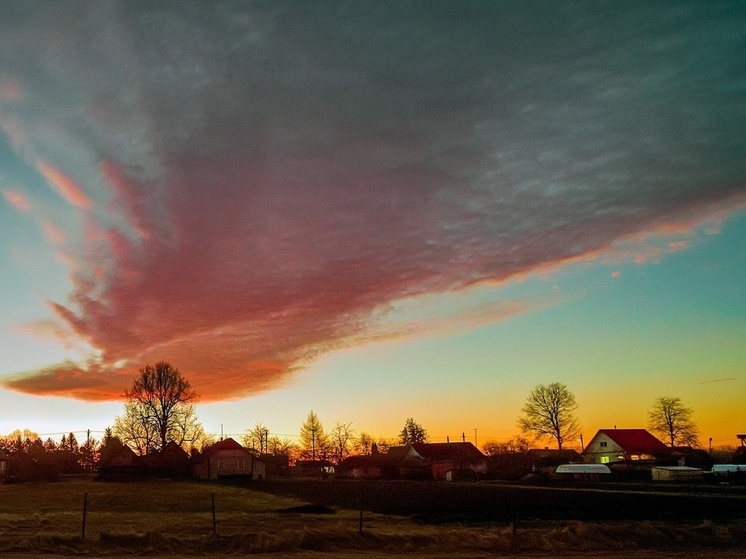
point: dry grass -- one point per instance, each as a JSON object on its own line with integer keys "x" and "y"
{"x": 175, "y": 518}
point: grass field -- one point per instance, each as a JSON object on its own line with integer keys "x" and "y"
{"x": 175, "y": 518}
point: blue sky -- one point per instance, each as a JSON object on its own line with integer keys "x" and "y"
{"x": 376, "y": 210}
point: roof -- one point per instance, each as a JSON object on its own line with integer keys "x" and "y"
{"x": 634, "y": 440}
{"x": 225, "y": 444}
{"x": 125, "y": 456}
{"x": 449, "y": 451}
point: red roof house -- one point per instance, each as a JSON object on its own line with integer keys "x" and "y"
{"x": 614, "y": 445}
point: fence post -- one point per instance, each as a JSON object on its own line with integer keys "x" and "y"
{"x": 85, "y": 512}
{"x": 360, "y": 523}
{"x": 214, "y": 523}
{"x": 513, "y": 514}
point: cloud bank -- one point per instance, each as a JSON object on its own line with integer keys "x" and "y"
{"x": 254, "y": 181}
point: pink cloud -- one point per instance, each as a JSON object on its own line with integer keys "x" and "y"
{"x": 265, "y": 198}
{"x": 53, "y": 233}
{"x": 10, "y": 90}
{"x": 17, "y": 200}
{"x": 677, "y": 246}
{"x": 64, "y": 185}
{"x": 616, "y": 274}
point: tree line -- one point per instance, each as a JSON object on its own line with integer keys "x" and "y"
{"x": 160, "y": 408}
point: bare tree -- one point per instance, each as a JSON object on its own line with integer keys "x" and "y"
{"x": 283, "y": 447}
{"x": 160, "y": 400}
{"x": 549, "y": 412}
{"x": 413, "y": 432}
{"x": 364, "y": 443}
{"x": 257, "y": 438}
{"x": 342, "y": 438}
{"x": 673, "y": 420}
{"x": 516, "y": 445}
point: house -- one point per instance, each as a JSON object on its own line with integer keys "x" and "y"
{"x": 452, "y": 461}
{"x": 313, "y": 468}
{"x": 613, "y": 445}
{"x": 172, "y": 462}
{"x": 124, "y": 464}
{"x": 228, "y": 459}
{"x": 362, "y": 467}
{"x": 400, "y": 462}
{"x": 4, "y": 464}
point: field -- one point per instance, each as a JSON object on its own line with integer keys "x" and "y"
{"x": 416, "y": 519}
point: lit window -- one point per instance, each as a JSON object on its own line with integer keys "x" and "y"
{"x": 240, "y": 464}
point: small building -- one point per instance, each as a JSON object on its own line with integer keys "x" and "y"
{"x": 172, "y": 462}
{"x": 124, "y": 464}
{"x": 400, "y": 462}
{"x": 676, "y": 473}
{"x": 4, "y": 464}
{"x": 313, "y": 468}
{"x": 613, "y": 445}
{"x": 228, "y": 459}
{"x": 463, "y": 460}
{"x": 361, "y": 467}
{"x": 583, "y": 472}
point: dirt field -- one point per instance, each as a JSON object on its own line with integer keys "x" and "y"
{"x": 170, "y": 519}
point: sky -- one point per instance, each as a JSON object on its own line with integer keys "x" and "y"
{"x": 374, "y": 210}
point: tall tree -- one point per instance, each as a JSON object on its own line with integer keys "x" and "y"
{"x": 673, "y": 420}
{"x": 160, "y": 401}
{"x": 313, "y": 440}
{"x": 549, "y": 411}
{"x": 413, "y": 432}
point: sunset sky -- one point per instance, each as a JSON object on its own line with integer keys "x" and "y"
{"x": 375, "y": 210}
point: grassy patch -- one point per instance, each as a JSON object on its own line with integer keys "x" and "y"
{"x": 175, "y": 518}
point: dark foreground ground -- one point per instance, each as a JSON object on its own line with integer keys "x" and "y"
{"x": 474, "y": 503}
{"x": 400, "y": 519}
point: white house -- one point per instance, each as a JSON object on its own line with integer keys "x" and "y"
{"x": 613, "y": 445}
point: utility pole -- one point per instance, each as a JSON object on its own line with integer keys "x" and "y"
{"x": 463, "y": 437}
{"x": 475, "y": 438}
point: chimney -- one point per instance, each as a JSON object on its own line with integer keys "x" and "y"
{"x": 374, "y": 449}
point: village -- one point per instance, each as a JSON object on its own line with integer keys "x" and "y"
{"x": 633, "y": 455}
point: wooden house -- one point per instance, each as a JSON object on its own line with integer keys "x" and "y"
{"x": 228, "y": 459}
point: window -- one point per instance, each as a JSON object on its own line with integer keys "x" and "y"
{"x": 240, "y": 464}
{"x": 602, "y": 444}
{"x": 221, "y": 465}
{"x": 604, "y": 460}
